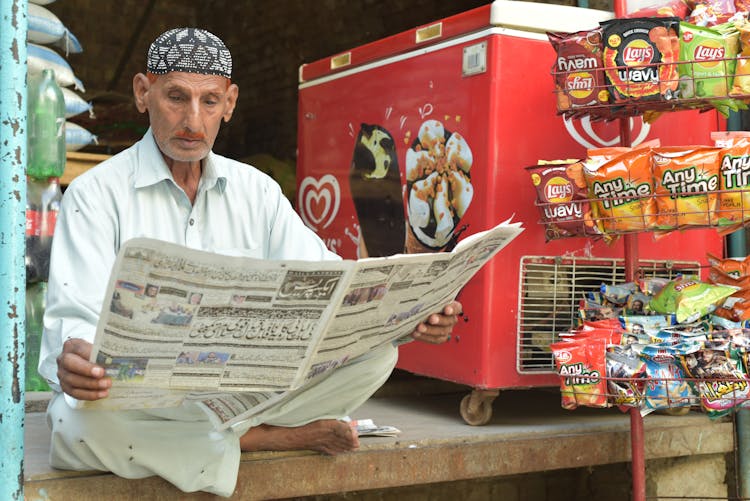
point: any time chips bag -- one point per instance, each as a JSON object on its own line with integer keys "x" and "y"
{"x": 734, "y": 177}
{"x": 685, "y": 182}
{"x": 622, "y": 192}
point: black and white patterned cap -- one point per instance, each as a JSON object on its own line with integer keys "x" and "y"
{"x": 190, "y": 50}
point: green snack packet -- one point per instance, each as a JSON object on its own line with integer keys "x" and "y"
{"x": 707, "y": 62}
{"x": 689, "y": 298}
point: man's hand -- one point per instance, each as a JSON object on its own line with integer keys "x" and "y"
{"x": 78, "y": 377}
{"x": 437, "y": 327}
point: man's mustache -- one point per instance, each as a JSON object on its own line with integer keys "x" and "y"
{"x": 190, "y": 135}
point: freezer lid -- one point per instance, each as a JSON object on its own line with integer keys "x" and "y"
{"x": 543, "y": 17}
{"x": 515, "y": 14}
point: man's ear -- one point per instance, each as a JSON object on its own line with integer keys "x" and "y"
{"x": 141, "y": 85}
{"x": 231, "y": 96}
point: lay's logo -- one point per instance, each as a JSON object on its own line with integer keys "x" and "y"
{"x": 708, "y": 54}
{"x": 580, "y": 85}
{"x": 558, "y": 189}
{"x": 684, "y": 285}
{"x": 638, "y": 52}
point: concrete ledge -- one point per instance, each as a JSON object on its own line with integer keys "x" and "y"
{"x": 529, "y": 432}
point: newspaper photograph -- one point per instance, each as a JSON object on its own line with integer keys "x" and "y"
{"x": 237, "y": 333}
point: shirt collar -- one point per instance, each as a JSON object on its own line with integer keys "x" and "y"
{"x": 152, "y": 168}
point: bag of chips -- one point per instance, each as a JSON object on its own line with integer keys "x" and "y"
{"x": 689, "y": 298}
{"x": 578, "y": 69}
{"x": 686, "y": 180}
{"x": 707, "y": 63}
{"x": 638, "y": 58}
{"x": 621, "y": 192}
{"x": 562, "y": 201}
{"x": 734, "y": 176}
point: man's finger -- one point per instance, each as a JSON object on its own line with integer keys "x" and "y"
{"x": 75, "y": 358}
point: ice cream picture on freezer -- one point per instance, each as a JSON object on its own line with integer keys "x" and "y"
{"x": 438, "y": 187}
{"x": 375, "y": 185}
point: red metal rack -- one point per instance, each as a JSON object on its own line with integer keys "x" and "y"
{"x": 622, "y": 111}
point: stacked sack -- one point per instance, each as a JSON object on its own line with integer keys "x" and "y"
{"x": 45, "y": 30}
{"x": 656, "y": 344}
{"x": 619, "y": 190}
{"x": 676, "y": 58}
{"x": 50, "y": 103}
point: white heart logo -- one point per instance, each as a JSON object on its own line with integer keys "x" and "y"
{"x": 319, "y": 200}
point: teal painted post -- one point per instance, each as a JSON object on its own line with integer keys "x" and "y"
{"x": 13, "y": 29}
{"x": 736, "y": 248}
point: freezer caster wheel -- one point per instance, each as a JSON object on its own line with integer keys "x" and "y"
{"x": 476, "y": 407}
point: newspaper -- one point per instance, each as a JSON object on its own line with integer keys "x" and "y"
{"x": 234, "y": 334}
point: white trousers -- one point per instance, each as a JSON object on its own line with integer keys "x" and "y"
{"x": 181, "y": 446}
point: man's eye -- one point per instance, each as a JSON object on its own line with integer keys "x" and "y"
{"x": 211, "y": 102}
{"x": 175, "y": 97}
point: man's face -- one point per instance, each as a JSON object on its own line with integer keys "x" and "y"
{"x": 185, "y": 111}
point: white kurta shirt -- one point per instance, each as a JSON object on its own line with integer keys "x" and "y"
{"x": 238, "y": 210}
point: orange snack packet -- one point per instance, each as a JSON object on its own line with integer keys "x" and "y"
{"x": 686, "y": 180}
{"x": 733, "y": 267}
{"x": 734, "y": 170}
{"x": 621, "y": 192}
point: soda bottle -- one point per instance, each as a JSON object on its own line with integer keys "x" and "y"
{"x": 36, "y": 295}
{"x": 43, "y": 198}
{"x": 46, "y": 127}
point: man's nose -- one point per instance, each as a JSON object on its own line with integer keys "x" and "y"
{"x": 192, "y": 115}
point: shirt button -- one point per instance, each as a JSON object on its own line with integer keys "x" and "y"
{"x": 192, "y": 221}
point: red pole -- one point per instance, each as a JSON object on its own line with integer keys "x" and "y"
{"x": 638, "y": 456}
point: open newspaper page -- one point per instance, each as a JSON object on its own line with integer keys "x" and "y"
{"x": 387, "y": 297}
{"x": 177, "y": 321}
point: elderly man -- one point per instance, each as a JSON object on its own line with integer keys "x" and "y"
{"x": 172, "y": 187}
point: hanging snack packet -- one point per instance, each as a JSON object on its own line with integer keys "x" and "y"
{"x": 621, "y": 192}
{"x": 638, "y": 55}
{"x": 689, "y": 298}
{"x": 570, "y": 357}
{"x": 686, "y": 180}
{"x": 636, "y": 302}
{"x": 666, "y": 387}
{"x": 580, "y": 364}
{"x": 734, "y": 176}
{"x": 578, "y": 69}
{"x": 707, "y": 62}
{"x": 717, "y": 379}
{"x": 563, "y": 203}
{"x": 736, "y": 307}
{"x": 625, "y": 371}
{"x": 618, "y": 293}
{"x": 735, "y": 268}
{"x": 718, "y": 275}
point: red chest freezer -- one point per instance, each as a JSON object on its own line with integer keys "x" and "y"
{"x": 470, "y": 97}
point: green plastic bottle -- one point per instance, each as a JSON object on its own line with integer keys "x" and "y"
{"x": 46, "y": 127}
{"x": 36, "y": 296}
